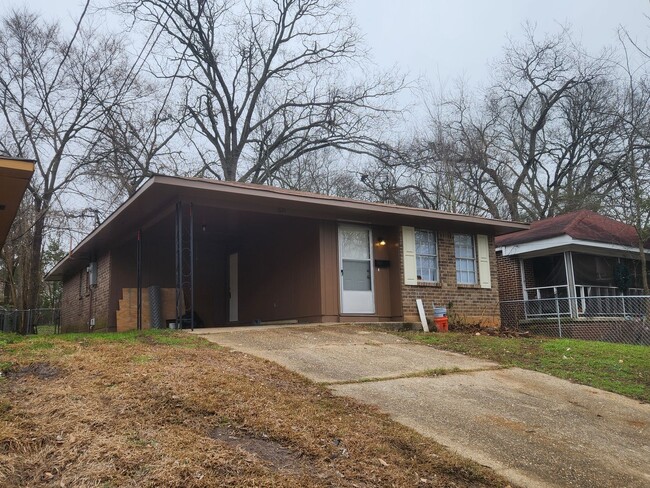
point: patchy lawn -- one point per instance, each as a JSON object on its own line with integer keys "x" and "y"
{"x": 620, "y": 368}
{"x": 169, "y": 409}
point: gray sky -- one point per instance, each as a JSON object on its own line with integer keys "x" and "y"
{"x": 446, "y": 39}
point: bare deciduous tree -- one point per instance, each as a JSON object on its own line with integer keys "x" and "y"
{"x": 269, "y": 82}
{"x": 134, "y": 142}
{"x": 537, "y": 141}
{"x": 53, "y": 92}
{"x": 631, "y": 202}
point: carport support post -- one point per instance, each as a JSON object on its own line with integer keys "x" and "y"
{"x": 138, "y": 258}
{"x": 179, "y": 261}
{"x": 192, "y": 265}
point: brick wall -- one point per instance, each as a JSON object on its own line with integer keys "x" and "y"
{"x": 465, "y": 303}
{"x": 509, "y": 274}
{"x": 80, "y": 302}
{"x": 529, "y": 274}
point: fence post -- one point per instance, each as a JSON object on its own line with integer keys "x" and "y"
{"x": 559, "y": 319}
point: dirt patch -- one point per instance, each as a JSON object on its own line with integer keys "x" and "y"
{"x": 278, "y": 456}
{"x": 40, "y": 370}
{"x": 476, "y": 329}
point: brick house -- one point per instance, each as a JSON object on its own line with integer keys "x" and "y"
{"x": 212, "y": 253}
{"x": 572, "y": 265}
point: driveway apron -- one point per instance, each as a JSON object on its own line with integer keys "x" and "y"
{"x": 534, "y": 429}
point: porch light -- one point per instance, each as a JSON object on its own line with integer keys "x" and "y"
{"x": 381, "y": 241}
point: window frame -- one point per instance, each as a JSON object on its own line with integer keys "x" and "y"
{"x": 473, "y": 260}
{"x": 434, "y": 256}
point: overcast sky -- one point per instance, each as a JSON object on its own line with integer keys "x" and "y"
{"x": 446, "y": 39}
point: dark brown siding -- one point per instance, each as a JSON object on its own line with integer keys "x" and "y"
{"x": 329, "y": 271}
{"x": 386, "y": 280}
{"x": 279, "y": 277}
{"x": 384, "y": 276}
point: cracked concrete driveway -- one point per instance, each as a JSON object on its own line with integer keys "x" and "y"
{"x": 534, "y": 429}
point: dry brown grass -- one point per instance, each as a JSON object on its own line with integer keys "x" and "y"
{"x": 172, "y": 410}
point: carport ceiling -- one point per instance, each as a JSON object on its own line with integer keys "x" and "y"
{"x": 14, "y": 178}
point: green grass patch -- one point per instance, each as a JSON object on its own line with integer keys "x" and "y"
{"x": 142, "y": 358}
{"x": 46, "y": 329}
{"x": 619, "y": 368}
{"x": 34, "y": 344}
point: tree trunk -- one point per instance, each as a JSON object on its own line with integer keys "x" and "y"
{"x": 31, "y": 300}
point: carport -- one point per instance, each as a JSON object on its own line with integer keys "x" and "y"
{"x": 227, "y": 254}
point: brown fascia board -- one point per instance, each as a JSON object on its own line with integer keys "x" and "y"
{"x": 341, "y": 206}
{"x": 11, "y": 158}
{"x": 270, "y": 200}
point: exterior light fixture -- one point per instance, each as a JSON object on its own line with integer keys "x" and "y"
{"x": 381, "y": 241}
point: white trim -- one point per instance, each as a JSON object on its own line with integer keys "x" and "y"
{"x": 435, "y": 256}
{"x": 474, "y": 259}
{"x": 343, "y": 302}
{"x": 522, "y": 277}
{"x": 561, "y": 244}
{"x": 571, "y": 283}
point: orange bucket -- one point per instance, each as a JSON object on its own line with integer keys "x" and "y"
{"x": 442, "y": 324}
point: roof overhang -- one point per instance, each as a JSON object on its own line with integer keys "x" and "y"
{"x": 160, "y": 193}
{"x": 564, "y": 243}
{"x": 14, "y": 178}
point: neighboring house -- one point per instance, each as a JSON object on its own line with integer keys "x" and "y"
{"x": 233, "y": 253}
{"x": 14, "y": 178}
{"x": 581, "y": 258}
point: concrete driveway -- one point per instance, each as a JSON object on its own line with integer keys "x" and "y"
{"x": 534, "y": 429}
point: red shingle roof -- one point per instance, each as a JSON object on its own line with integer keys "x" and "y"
{"x": 583, "y": 224}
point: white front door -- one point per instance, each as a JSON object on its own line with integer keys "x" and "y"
{"x": 355, "y": 263}
{"x": 233, "y": 287}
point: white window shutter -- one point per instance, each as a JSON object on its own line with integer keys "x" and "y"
{"x": 408, "y": 252}
{"x": 483, "y": 261}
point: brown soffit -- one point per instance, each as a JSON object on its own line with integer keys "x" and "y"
{"x": 14, "y": 178}
{"x": 159, "y": 194}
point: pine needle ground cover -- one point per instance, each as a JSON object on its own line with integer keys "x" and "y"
{"x": 168, "y": 409}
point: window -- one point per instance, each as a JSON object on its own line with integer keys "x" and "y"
{"x": 465, "y": 259}
{"x": 426, "y": 252}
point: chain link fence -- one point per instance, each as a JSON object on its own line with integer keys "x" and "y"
{"x": 35, "y": 321}
{"x": 624, "y": 319}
